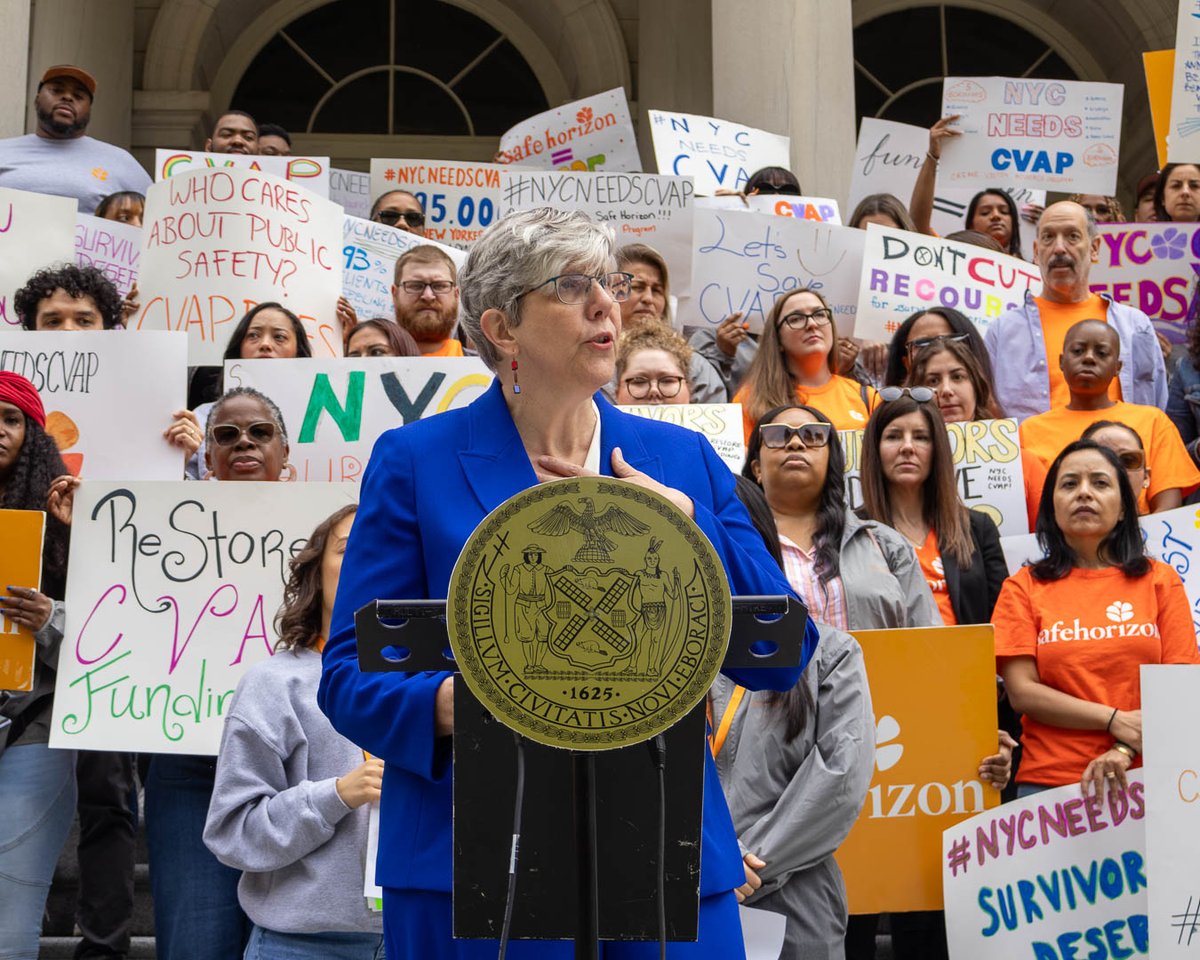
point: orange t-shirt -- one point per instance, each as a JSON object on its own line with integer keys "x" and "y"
{"x": 930, "y": 558}
{"x": 1057, "y": 319}
{"x": 449, "y": 348}
{"x": 1088, "y": 633}
{"x": 841, "y": 400}
{"x": 1034, "y": 473}
{"x": 1171, "y": 466}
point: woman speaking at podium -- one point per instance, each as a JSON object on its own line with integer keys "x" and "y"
{"x": 539, "y": 301}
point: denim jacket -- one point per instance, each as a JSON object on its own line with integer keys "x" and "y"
{"x": 1018, "y": 353}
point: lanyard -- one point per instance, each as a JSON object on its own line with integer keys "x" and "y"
{"x": 717, "y": 740}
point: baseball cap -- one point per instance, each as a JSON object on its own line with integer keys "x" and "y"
{"x": 1148, "y": 182}
{"x": 75, "y": 73}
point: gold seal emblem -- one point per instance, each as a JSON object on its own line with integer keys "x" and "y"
{"x": 588, "y": 613}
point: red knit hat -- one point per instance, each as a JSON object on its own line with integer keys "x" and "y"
{"x": 23, "y": 395}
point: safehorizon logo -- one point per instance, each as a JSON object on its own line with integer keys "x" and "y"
{"x": 1120, "y": 615}
{"x": 907, "y": 799}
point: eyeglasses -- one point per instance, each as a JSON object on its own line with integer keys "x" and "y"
{"x": 920, "y": 394}
{"x": 414, "y": 218}
{"x": 259, "y": 433}
{"x": 775, "y": 436}
{"x": 916, "y": 346}
{"x": 763, "y": 188}
{"x": 415, "y": 288}
{"x": 798, "y": 320}
{"x": 1132, "y": 459}
{"x": 573, "y": 288}
{"x": 639, "y": 387}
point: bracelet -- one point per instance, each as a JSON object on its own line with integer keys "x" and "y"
{"x": 1108, "y": 726}
{"x": 936, "y": 160}
{"x": 1125, "y": 749}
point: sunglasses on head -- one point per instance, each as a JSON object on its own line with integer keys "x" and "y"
{"x": 920, "y": 394}
{"x": 1132, "y": 459}
{"x": 227, "y": 434}
{"x": 775, "y": 436}
{"x": 916, "y": 346}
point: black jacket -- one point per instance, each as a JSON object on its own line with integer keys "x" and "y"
{"x": 974, "y": 589}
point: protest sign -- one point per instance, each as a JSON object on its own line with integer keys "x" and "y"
{"x": 352, "y": 189}
{"x": 335, "y": 410}
{"x": 721, "y": 423}
{"x": 933, "y": 693}
{"x": 36, "y": 231}
{"x": 639, "y": 207}
{"x": 715, "y": 153}
{"x": 20, "y": 566}
{"x": 905, "y": 272}
{"x": 1151, "y": 266}
{"x": 370, "y": 251}
{"x": 1183, "y": 146}
{"x": 111, "y": 247}
{"x": 1049, "y": 877}
{"x": 1159, "y": 67}
{"x": 987, "y": 467}
{"x": 1170, "y": 715}
{"x": 85, "y": 378}
{"x": 460, "y": 199}
{"x": 1056, "y": 134}
{"x": 170, "y": 600}
{"x": 218, "y": 241}
{"x": 824, "y": 209}
{"x": 595, "y": 133}
{"x": 744, "y": 260}
{"x": 311, "y": 173}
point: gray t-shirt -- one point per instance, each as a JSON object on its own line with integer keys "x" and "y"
{"x": 83, "y": 168}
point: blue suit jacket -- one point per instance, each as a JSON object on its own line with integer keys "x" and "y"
{"x": 426, "y": 488}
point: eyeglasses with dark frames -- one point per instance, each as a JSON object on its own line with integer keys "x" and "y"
{"x": 414, "y": 288}
{"x": 799, "y": 320}
{"x": 639, "y": 387}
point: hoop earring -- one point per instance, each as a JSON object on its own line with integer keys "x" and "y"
{"x": 291, "y": 473}
{"x": 516, "y": 384}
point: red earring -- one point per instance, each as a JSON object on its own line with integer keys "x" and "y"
{"x": 516, "y": 385}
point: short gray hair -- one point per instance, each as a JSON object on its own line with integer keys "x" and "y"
{"x": 518, "y": 252}
{"x": 272, "y": 409}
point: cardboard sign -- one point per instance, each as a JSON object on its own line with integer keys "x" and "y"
{"x": 370, "y": 251}
{"x": 352, "y": 189}
{"x": 311, "y": 173}
{"x": 905, "y": 272}
{"x": 170, "y": 599}
{"x": 926, "y": 760}
{"x": 595, "y": 133}
{"x": 1151, "y": 266}
{"x": 1050, "y": 877}
{"x": 112, "y": 247}
{"x": 1170, "y": 713}
{"x": 639, "y": 207}
{"x": 720, "y": 422}
{"x": 219, "y": 241}
{"x": 36, "y": 231}
{"x": 335, "y": 410}
{"x": 1055, "y": 134}
{"x": 744, "y": 261}
{"x": 460, "y": 199}
{"x": 715, "y": 153}
{"x": 823, "y": 209}
{"x": 20, "y": 566}
{"x": 104, "y": 431}
{"x": 1159, "y": 67}
{"x": 1183, "y": 145}
{"x": 987, "y": 466}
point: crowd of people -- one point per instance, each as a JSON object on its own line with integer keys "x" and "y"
{"x": 259, "y": 851}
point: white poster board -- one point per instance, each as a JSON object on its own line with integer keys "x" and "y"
{"x": 721, "y": 423}
{"x": 352, "y": 189}
{"x": 1055, "y": 134}
{"x": 36, "y": 231}
{"x": 824, "y": 209}
{"x": 595, "y": 133}
{"x": 112, "y": 247}
{"x": 218, "y": 241}
{"x": 1183, "y": 146}
{"x": 170, "y": 599}
{"x": 460, "y": 199}
{"x": 109, "y": 396}
{"x": 715, "y": 153}
{"x": 312, "y": 173}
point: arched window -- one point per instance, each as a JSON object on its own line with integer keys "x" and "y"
{"x": 418, "y": 67}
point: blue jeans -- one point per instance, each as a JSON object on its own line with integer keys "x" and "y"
{"x": 196, "y": 910}
{"x": 271, "y": 945}
{"x": 37, "y": 805}
{"x": 1029, "y": 789}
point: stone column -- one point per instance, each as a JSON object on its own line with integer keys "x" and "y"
{"x": 787, "y": 66}
{"x": 14, "y": 65}
{"x": 675, "y": 63}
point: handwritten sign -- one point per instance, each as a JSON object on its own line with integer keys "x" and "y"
{"x": 743, "y": 261}
{"x": 824, "y": 209}
{"x": 987, "y": 466}
{"x": 1159, "y": 67}
{"x": 1170, "y": 714}
{"x": 1056, "y": 134}
{"x": 111, "y": 247}
{"x": 352, "y": 189}
{"x": 721, "y": 423}
{"x": 715, "y": 153}
{"x": 36, "y": 231}
{"x": 640, "y": 208}
{"x": 1183, "y": 146}
{"x": 1049, "y": 877}
{"x": 595, "y": 133}
{"x": 460, "y": 199}
{"x": 85, "y": 376}
{"x": 905, "y": 272}
{"x": 218, "y": 241}
{"x": 335, "y": 410}
{"x": 926, "y": 761}
{"x": 370, "y": 251}
{"x": 312, "y": 173}
{"x": 170, "y": 599}
{"x": 20, "y": 565}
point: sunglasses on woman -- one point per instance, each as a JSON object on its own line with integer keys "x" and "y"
{"x": 916, "y": 346}
{"x": 260, "y": 432}
{"x": 776, "y": 436}
{"x": 1132, "y": 459}
{"x": 920, "y": 394}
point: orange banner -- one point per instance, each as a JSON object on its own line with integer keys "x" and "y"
{"x": 20, "y": 566}
{"x": 934, "y": 695}
{"x": 1160, "y": 74}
